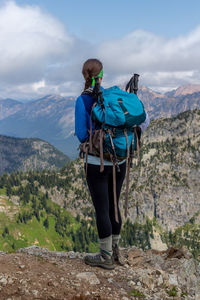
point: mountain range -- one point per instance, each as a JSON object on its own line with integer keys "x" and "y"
{"x": 52, "y": 117}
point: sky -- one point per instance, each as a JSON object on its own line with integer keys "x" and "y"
{"x": 43, "y": 44}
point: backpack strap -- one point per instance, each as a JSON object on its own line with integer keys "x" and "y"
{"x": 115, "y": 193}
{"x": 132, "y": 152}
{"x": 114, "y": 189}
{"x": 84, "y": 148}
{"x": 127, "y": 173}
{"x": 136, "y": 133}
{"x": 90, "y": 132}
{"x": 101, "y": 150}
{"x": 88, "y": 91}
{"x": 114, "y": 155}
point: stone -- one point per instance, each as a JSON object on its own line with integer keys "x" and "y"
{"x": 146, "y": 280}
{"x": 23, "y": 281}
{"x": 3, "y": 281}
{"x": 131, "y": 283}
{"x": 189, "y": 267}
{"x": 87, "y": 293}
{"x": 10, "y": 280}
{"x": 90, "y": 277}
{"x": 156, "y": 242}
{"x": 136, "y": 261}
{"x": 21, "y": 266}
{"x": 160, "y": 280}
{"x": 71, "y": 254}
{"x": 35, "y": 293}
{"x": 134, "y": 253}
{"x": 172, "y": 279}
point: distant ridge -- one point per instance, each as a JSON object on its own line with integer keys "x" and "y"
{"x": 27, "y": 154}
{"x": 185, "y": 90}
{"x": 9, "y": 107}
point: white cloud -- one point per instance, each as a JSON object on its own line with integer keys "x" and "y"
{"x": 30, "y": 41}
{"x": 38, "y": 56}
{"x": 162, "y": 63}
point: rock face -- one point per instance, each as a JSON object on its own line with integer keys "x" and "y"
{"x": 146, "y": 274}
{"x": 172, "y": 103}
{"x": 25, "y": 154}
{"x": 165, "y": 183}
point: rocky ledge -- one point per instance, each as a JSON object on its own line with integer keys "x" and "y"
{"x": 36, "y": 273}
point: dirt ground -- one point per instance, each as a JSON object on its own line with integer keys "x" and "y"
{"x": 36, "y": 273}
{"x": 24, "y": 277}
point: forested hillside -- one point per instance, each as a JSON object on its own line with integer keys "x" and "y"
{"x": 28, "y": 215}
{"x": 27, "y": 154}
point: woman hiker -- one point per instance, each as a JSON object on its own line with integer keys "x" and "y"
{"x": 100, "y": 183}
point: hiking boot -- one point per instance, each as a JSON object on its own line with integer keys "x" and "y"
{"x": 117, "y": 258}
{"x": 99, "y": 260}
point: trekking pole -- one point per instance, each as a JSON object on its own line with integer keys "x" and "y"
{"x": 132, "y": 85}
{"x": 135, "y": 85}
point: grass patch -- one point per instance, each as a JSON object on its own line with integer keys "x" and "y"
{"x": 172, "y": 292}
{"x": 3, "y": 191}
{"x": 184, "y": 294}
{"x": 136, "y": 293}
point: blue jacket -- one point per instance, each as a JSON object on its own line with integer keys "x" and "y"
{"x": 83, "y": 109}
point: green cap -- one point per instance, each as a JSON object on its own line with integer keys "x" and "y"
{"x": 100, "y": 75}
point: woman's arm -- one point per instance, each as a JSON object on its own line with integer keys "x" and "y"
{"x": 81, "y": 130}
{"x": 145, "y": 124}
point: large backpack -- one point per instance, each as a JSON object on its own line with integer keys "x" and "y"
{"x": 115, "y": 135}
{"x": 118, "y": 114}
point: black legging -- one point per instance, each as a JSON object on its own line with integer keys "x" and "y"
{"x": 101, "y": 190}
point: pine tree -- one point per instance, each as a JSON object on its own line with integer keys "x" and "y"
{"x": 46, "y": 223}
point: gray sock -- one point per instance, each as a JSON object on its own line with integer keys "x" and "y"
{"x": 115, "y": 239}
{"x": 106, "y": 245}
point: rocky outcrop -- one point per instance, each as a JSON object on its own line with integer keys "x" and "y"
{"x": 165, "y": 183}
{"x": 35, "y": 273}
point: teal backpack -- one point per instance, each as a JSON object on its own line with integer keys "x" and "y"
{"x": 119, "y": 112}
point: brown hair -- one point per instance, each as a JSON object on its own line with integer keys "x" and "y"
{"x": 91, "y": 68}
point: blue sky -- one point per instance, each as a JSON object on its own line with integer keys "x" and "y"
{"x": 43, "y": 44}
{"x": 108, "y": 19}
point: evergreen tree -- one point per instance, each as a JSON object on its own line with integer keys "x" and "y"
{"x": 46, "y": 223}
